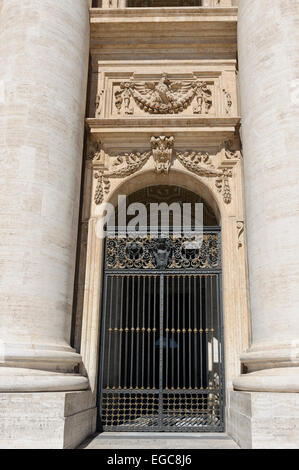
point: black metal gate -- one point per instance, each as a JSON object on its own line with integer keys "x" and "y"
{"x": 161, "y": 363}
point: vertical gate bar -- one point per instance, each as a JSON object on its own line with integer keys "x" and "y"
{"x": 126, "y": 385}
{"x": 212, "y": 328}
{"x": 149, "y": 332}
{"x": 206, "y": 332}
{"x": 201, "y": 333}
{"x": 121, "y": 329}
{"x": 172, "y": 336}
{"x": 132, "y": 331}
{"x": 218, "y": 329}
{"x": 178, "y": 333}
{"x": 190, "y": 337}
{"x": 221, "y": 334}
{"x": 103, "y": 337}
{"x": 154, "y": 333}
{"x": 195, "y": 331}
{"x": 184, "y": 332}
{"x": 161, "y": 352}
{"x": 137, "y": 332}
{"x": 167, "y": 331}
{"x": 143, "y": 331}
{"x": 110, "y": 331}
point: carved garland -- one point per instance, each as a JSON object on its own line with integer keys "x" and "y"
{"x": 162, "y": 150}
{"x": 164, "y": 96}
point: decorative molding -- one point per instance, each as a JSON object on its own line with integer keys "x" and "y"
{"x": 123, "y": 97}
{"x": 124, "y": 166}
{"x": 162, "y": 153}
{"x": 228, "y": 101}
{"x": 163, "y": 96}
{"x": 162, "y": 148}
{"x": 99, "y": 102}
{"x": 103, "y": 187}
{"x": 201, "y": 165}
{"x": 222, "y": 184}
{"x": 231, "y": 154}
{"x": 240, "y": 228}
{"x": 204, "y": 99}
{"x": 197, "y": 163}
{"x": 95, "y": 152}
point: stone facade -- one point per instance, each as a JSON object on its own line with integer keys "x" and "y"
{"x": 165, "y": 96}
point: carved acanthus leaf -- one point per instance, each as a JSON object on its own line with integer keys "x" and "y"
{"x": 164, "y": 96}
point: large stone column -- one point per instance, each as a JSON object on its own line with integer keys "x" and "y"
{"x": 44, "y": 47}
{"x": 269, "y": 67}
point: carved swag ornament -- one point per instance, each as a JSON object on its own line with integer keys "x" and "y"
{"x": 162, "y": 150}
{"x": 164, "y": 96}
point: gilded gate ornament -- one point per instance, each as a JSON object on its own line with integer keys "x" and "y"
{"x": 164, "y": 96}
{"x": 173, "y": 252}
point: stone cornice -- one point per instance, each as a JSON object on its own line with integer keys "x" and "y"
{"x": 183, "y": 123}
{"x": 210, "y": 131}
{"x": 181, "y": 14}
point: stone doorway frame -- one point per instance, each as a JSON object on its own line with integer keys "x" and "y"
{"x": 231, "y": 219}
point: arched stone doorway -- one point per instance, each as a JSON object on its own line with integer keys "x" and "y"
{"x": 226, "y": 214}
{"x": 161, "y": 355}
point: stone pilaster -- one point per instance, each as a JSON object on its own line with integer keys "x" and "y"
{"x": 268, "y": 60}
{"x": 43, "y": 70}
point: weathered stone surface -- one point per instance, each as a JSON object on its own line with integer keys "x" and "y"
{"x": 269, "y": 105}
{"x": 45, "y": 420}
{"x": 43, "y": 69}
{"x": 264, "y": 420}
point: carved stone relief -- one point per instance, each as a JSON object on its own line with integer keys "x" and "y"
{"x": 230, "y": 153}
{"x": 162, "y": 152}
{"x": 240, "y": 228}
{"x": 228, "y": 101}
{"x": 162, "y": 148}
{"x": 99, "y": 102}
{"x": 164, "y": 96}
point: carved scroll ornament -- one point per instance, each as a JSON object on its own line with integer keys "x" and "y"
{"x": 164, "y": 96}
{"x": 240, "y": 228}
{"x": 162, "y": 150}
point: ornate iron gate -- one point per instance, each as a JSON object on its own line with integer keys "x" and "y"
{"x": 161, "y": 343}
